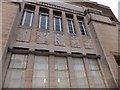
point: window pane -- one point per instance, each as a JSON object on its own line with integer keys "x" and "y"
{"x": 83, "y": 32}
{"x": 80, "y": 73}
{"x": 40, "y": 73}
{"x": 40, "y": 82}
{"x": 57, "y": 22}
{"x": 61, "y": 70}
{"x": 43, "y": 22}
{"x": 96, "y": 73}
{"x": 70, "y": 26}
{"x": 15, "y": 78}
{"x": 60, "y": 63}
{"x": 18, "y": 61}
{"x": 27, "y": 18}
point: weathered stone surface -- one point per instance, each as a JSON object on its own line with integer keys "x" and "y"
{"x": 23, "y": 34}
{"x": 87, "y": 43}
{"x": 74, "y": 41}
{"x": 42, "y": 37}
{"x": 59, "y": 39}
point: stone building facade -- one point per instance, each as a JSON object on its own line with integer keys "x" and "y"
{"x": 59, "y": 45}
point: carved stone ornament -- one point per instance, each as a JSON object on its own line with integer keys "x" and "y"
{"x": 23, "y": 34}
{"x": 75, "y": 41}
{"x": 59, "y": 39}
{"x": 42, "y": 37}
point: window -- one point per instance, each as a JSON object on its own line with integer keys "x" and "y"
{"x": 70, "y": 23}
{"x": 80, "y": 73}
{"x": 43, "y": 18}
{"x": 117, "y": 58}
{"x": 96, "y": 73}
{"x": 28, "y": 15}
{"x": 15, "y": 77}
{"x": 40, "y": 74}
{"x": 57, "y": 21}
{"x": 81, "y": 25}
{"x": 61, "y": 70}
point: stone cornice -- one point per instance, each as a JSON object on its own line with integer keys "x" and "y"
{"x": 47, "y": 53}
{"x": 58, "y": 7}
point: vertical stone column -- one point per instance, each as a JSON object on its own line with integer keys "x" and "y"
{"x": 65, "y": 30}
{"x": 51, "y": 39}
{"x": 72, "y": 78}
{"x": 5, "y": 65}
{"x": 29, "y": 71}
{"x": 34, "y": 27}
{"x": 77, "y": 29}
{"x": 88, "y": 74}
{"x": 52, "y": 79}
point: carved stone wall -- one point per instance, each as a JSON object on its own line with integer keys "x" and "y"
{"x": 23, "y": 34}
{"x": 59, "y": 39}
{"x": 88, "y": 43}
{"x": 42, "y": 37}
{"x": 74, "y": 41}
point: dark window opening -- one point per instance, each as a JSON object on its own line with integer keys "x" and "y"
{"x": 27, "y": 17}
{"x": 81, "y": 25}
{"x": 70, "y": 22}
{"x": 117, "y": 58}
{"x": 43, "y": 18}
{"x": 57, "y": 21}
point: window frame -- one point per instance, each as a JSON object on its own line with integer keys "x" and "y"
{"x": 80, "y": 21}
{"x": 72, "y": 23}
{"x": 46, "y": 21}
{"x": 24, "y": 17}
{"x": 60, "y": 23}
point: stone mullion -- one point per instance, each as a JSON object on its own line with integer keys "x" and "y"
{"x": 77, "y": 29}
{"x": 29, "y": 71}
{"x": 52, "y": 79}
{"x": 34, "y": 25}
{"x": 90, "y": 79}
{"x": 65, "y": 30}
{"x": 51, "y": 39}
{"x": 72, "y": 78}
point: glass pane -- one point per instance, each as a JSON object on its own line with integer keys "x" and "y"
{"x": 96, "y": 73}
{"x": 62, "y": 77}
{"x": 43, "y": 22}
{"x": 62, "y": 74}
{"x": 60, "y": 63}
{"x": 57, "y": 24}
{"x": 40, "y": 74}
{"x": 40, "y": 82}
{"x": 82, "y": 28}
{"x": 41, "y": 63}
{"x": 80, "y": 73}
{"x": 70, "y": 26}
{"x": 62, "y": 82}
{"x": 93, "y": 64}
{"x": 27, "y": 18}
{"x": 15, "y": 78}
{"x": 18, "y": 61}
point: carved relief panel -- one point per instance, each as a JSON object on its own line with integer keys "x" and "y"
{"x": 23, "y": 34}
{"x": 74, "y": 41}
{"x": 59, "y": 39}
{"x": 42, "y": 37}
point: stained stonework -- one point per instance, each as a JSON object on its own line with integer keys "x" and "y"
{"x": 59, "y": 39}
{"x": 23, "y": 34}
{"x": 74, "y": 41}
{"x": 87, "y": 43}
{"x": 42, "y": 37}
